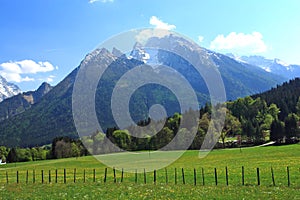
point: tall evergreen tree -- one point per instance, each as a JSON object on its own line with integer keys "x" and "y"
{"x": 298, "y": 107}
{"x": 12, "y": 156}
{"x": 277, "y": 130}
{"x": 291, "y": 125}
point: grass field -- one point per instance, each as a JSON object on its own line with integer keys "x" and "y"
{"x": 279, "y": 158}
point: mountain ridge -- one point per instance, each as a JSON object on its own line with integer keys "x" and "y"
{"x": 23, "y": 101}
{"x": 275, "y": 65}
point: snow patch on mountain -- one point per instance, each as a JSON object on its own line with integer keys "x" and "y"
{"x": 280, "y": 62}
{"x": 275, "y": 66}
{"x": 139, "y": 54}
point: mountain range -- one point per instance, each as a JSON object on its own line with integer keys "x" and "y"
{"x": 275, "y": 66}
{"x": 50, "y": 115}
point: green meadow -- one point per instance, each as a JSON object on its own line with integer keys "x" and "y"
{"x": 85, "y": 177}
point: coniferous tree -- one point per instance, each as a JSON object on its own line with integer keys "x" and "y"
{"x": 298, "y": 107}
{"x": 291, "y": 125}
{"x": 277, "y": 130}
{"x": 12, "y": 156}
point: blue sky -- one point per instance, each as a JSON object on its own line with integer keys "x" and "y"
{"x": 44, "y": 40}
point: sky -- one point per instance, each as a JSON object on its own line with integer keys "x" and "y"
{"x": 44, "y": 40}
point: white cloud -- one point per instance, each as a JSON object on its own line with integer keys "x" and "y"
{"x": 161, "y": 29}
{"x": 13, "y": 71}
{"x": 144, "y": 35}
{"x": 49, "y": 79}
{"x": 27, "y": 79}
{"x": 200, "y": 38}
{"x": 240, "y": 42}
{"x": 103, "y": 1}
{"x": 11, "y": 76}
{"x": 157, "y": 23}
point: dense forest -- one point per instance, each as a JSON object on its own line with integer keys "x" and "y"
{"x": 285, "y": 96}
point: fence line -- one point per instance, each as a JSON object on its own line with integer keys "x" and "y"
{"x": 213, "y": 176}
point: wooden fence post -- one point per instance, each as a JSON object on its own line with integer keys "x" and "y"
{"x": 226, "y": 169}
{"x": 74, "y": 175}
{"x": 122, "y": 175}
{"x": 65, "y": 176}
{"x": 145, "y": 180}
{"x": 175, "y": 176}
{"x": 94, "y": 175}
{"x": 55, "y": 175}
{"x": 135, "y": 176}
{"x": 115, "y": 178}
{"x": 288, "y": 176}
{"x": 105, "y": 174}
{"x": 6, "y": 177}
{"x": 154, "y": 176}
{"x": 166, "y": 172}
{"x": 33, "y": 176}
{"x": 17, "y": 176}
{"x": 195, "y": 177}
{"x": 26, "y": 176}
{"x": 243, "y": 175}
{"x": 258, "y": 178}
{"x": 84, "y": 175}
{"x": 42, "y": 173}
{"x": 182, "y": 172}
{"x": 49, "y": 176}
{"x": 216, "y": 176}
{"x": 203, "y": 180}
{"x": 273, "y": 178}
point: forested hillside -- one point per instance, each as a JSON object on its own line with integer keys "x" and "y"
{"x": 285, "y": 96}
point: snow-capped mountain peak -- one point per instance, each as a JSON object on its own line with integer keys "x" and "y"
{"x": 139, "y": 53}
{"x": 7, "y": 89}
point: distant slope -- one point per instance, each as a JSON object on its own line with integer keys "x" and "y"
{"x": 45, "y": 120}
{"x": 22, "y": 101}
{"x": 285, "y": 96}
{"x": 7, "y": 89}
{"x": 52, "y": 116}
{"x": 242, "y": 79}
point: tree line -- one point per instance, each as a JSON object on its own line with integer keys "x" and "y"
{"x": 61, "y": 147}
{"x": 250, "y": 120}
